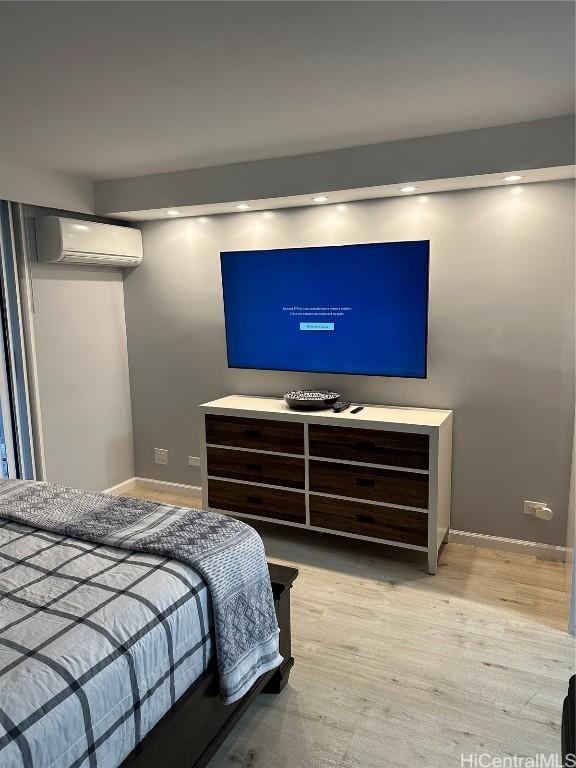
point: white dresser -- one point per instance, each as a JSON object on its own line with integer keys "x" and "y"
{"x": 382, "y": 475}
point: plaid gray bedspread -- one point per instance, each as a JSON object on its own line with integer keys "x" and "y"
{"x": 96, "y": 644}
{"x": 228, "y": 554}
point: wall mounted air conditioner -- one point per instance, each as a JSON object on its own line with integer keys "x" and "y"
{"x": 72, "y": 241}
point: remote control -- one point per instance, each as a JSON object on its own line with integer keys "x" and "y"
{"x": 357, "y": 410}
{"x": 341, "y": 405}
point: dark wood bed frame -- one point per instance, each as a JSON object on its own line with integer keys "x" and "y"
{"x": 191, "y": 732}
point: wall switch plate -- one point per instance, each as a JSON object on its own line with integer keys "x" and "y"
{"x": 193, "y": 461}
{"x": 538, "y": 509}
{"x": 160, "y": 456}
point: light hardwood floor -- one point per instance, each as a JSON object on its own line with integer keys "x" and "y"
{"x": 398, "y": 668}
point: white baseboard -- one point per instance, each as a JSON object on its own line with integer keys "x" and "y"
{"x": 126, "y": 485}
{"x": 543, "y": 551}
{"x": 162, "y": 485}
{"x": 154, "y": 485}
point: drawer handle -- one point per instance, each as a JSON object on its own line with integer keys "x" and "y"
{"x": 255, "y": 467}
{"x": 252, "y": 433}
{"x": 364, "y": 445}
{"x": 254, "y": 499}
{"x": 365, "y": 482}
{"x": 365, "y": 519}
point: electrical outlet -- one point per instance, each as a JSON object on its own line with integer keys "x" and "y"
{"x": 160, "y": 456}
{"x": 193, "y": 461}
{"x": 538, "y": 509}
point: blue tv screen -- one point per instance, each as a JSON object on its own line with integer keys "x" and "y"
{"x": 359, "y": 309}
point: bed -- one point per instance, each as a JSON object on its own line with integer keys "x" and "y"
{"x": 111, "y": 647}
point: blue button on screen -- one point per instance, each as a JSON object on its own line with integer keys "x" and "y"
{"x": 316, "y": 326}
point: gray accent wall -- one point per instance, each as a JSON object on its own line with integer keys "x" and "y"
{"x": 501, "y": 348}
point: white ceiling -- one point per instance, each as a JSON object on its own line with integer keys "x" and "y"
{"x": 106, "y": 90}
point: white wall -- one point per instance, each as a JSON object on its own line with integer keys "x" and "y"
{"x": 82, "y": 362}
{"x": 570, "y": 543}
{"x": 501, "y": 338}
{"x": 82, "y": 389}
{"x": 571, "y": 538}
{"x": 21, "y": 183}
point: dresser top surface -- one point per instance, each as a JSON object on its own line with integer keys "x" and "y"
{"x": 273, "y": 407}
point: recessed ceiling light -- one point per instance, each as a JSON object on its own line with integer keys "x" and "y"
{"x": 408, "y": 189}
{"x": 267, "y": 214}
{"x": 341, "y": 207}
{"x": 243, "y": 206}
{"x": 513, "y": 177}
{"x": 320, "y": 199}
{"x": 203, "y": 220}
{"x": 172, "y": 212}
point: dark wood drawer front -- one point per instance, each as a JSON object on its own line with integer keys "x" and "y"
{"x": 387, "y": 485}
{"x": 256, "y": 500}
{"x": 256, "y": 467}
{"x": 262, "y": 434}
{"x": 369, "y": 520}
{"x": 398, "y": 449}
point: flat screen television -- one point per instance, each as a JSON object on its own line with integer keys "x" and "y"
{"x": 359, "y": 309}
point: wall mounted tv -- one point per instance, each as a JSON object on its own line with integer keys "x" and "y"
{"x": 360, "y": 309}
